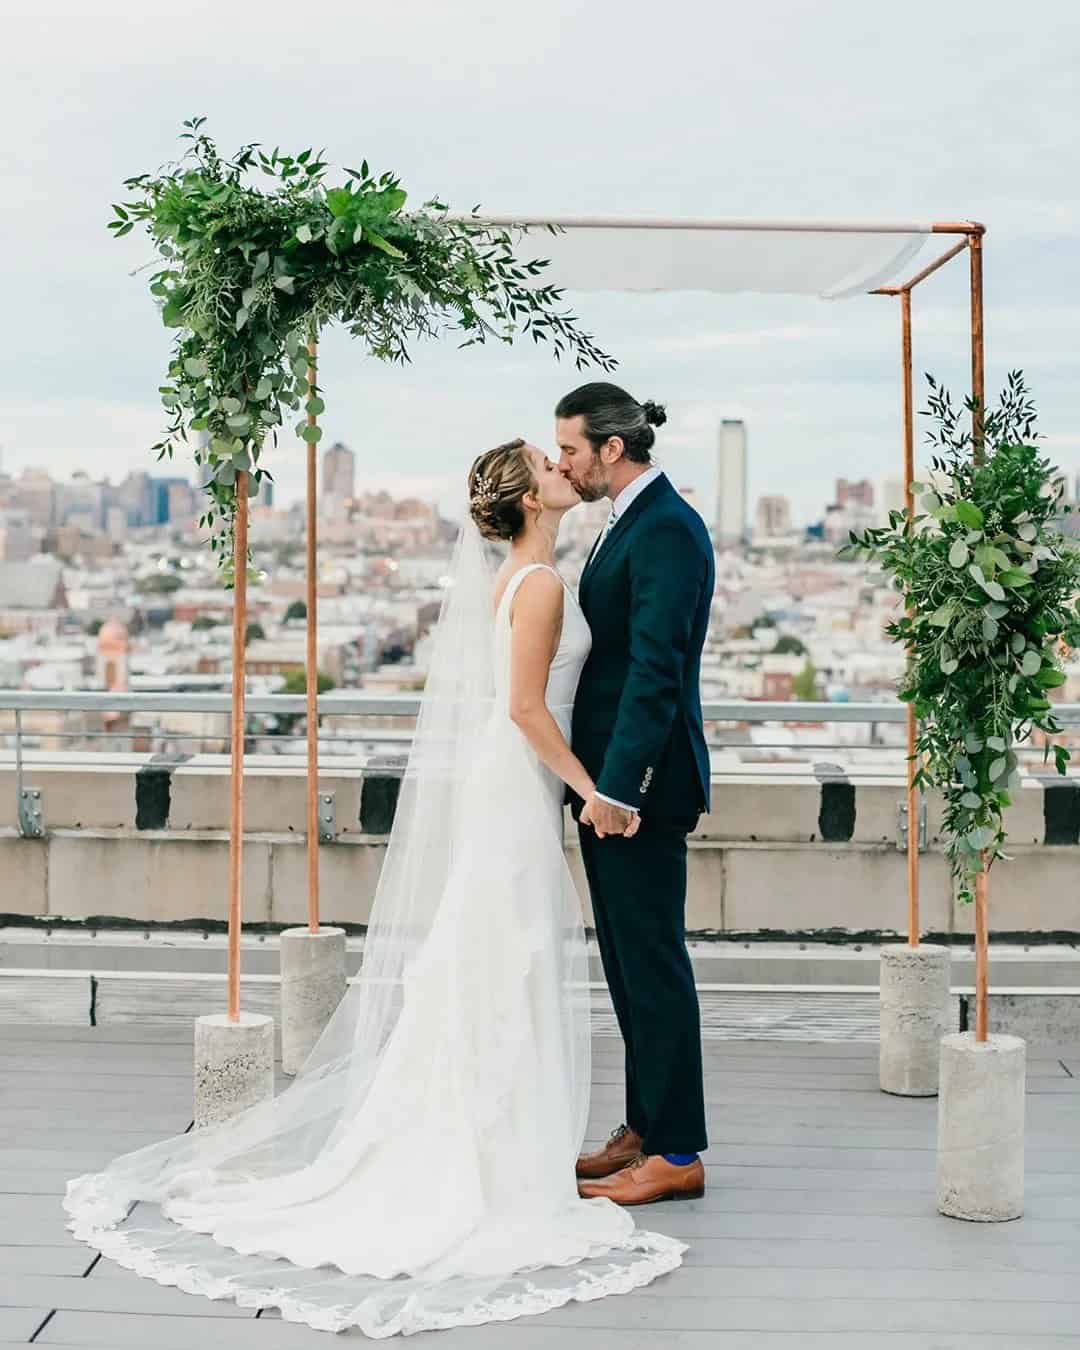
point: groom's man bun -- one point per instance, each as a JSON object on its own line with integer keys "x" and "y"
{"x": 498, "y": 480}
{"x": 610, "y": 411}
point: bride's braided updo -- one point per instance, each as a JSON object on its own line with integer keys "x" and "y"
{"x": 498, "y": 480}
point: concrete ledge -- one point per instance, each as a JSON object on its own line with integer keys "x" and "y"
{"x": 142, "y": 839}
{"x": 1040, "y": 1016}
{"x": 721, "y": 961}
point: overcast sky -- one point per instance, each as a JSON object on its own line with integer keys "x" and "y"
{"x": 824, "y": 109}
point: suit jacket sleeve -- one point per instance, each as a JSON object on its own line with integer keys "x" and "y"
{"x": 666, "y": 577}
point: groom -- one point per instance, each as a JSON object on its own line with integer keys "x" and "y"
{"x": 637, "y": 727}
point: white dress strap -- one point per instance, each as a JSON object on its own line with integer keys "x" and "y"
{"x": 513, "y": 585}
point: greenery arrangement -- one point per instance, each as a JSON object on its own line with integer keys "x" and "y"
{"x": 249, "y": 278}
{"x": 989, "y": 583}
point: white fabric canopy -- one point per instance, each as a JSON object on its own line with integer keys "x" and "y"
{"x": 827, "y": 259}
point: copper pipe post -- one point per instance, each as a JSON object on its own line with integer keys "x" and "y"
{"x": 978, "y": 372}
{"x": 312, "y": 664}
{"x": 912, "y": 730}
{"x": 236, "y": 786}
{"x": 982, "y": 973}
{"x": 978, "y": 394}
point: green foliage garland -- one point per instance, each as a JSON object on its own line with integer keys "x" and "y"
{"x": 249, "y": 278}
{"x": 989, "y": 582}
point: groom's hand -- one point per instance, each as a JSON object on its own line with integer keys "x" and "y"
{"x": 606, "y": 818}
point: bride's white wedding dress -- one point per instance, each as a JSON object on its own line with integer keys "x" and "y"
{"x": 427, "y": 1180}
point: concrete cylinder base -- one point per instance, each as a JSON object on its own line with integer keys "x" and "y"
{"x": 915, "y": 1014}
{"x": 980, "y": 1155}
{"x": 234, "y": 1065}
{"x": 312, "y": 986}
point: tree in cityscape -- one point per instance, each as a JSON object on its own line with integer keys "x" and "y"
{"x": 296, "y": 682}
{"x": 254, "y": 633}
{"x": 989, "y": 583}
{"x": 789, "y": 645}
{"x": 202, "y": 622}
{"x": 158, "y": 583}
{"x": 804, "y": 685}
{"x": 248, "y": 279}
{"x": 297, "y": 610}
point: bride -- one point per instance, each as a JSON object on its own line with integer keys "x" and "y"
{"x": 419, "y": 1171}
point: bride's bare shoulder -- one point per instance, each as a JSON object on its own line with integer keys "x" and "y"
{"x": 541, "y": 589}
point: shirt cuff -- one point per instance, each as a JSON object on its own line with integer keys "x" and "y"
{"x": 611, "y": 800}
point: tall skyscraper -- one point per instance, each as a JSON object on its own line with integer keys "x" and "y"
{"x": 338, "y": 473}
{"x": 731, "y": 483}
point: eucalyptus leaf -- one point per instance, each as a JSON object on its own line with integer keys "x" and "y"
{"x": 996, "y": 743}
{"x": 958, "y": 554}
{"x": 312, "y": 434}
{"x": 998, "y": 769}
{"x": 995, "y": 610}
{"x": 1031, "y": 663}
{"x": 994, "y": 590}
{"x": 231, "y": 405}
{"x": 1028, "y": 532}
{"x": 971, "y": 800}
{"x": 1018, "y": 642}
{"x": 989, "y": 629}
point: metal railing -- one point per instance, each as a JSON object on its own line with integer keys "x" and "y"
{"x": 738, "y": 732}
{"x": 266, "y": 711}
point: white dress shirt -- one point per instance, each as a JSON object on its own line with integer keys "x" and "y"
{"x": 630, "y": 493}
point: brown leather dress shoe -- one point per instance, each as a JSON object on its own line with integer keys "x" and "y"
{"x": 620, "y": 1150}
{"x": 648, "y": 1180}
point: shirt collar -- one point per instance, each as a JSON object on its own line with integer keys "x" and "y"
{"x": 634, "y": 489}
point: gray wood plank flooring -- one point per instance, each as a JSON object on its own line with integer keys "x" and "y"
{"x": 818, "y": 1230}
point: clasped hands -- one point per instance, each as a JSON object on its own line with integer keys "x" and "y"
{"x": 607, "y": 818}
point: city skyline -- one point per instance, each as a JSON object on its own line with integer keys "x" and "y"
{"x": 890, "y": 132}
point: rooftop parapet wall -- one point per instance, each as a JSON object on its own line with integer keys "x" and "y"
{"x": 143, "y": 839}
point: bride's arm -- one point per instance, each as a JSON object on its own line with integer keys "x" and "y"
{"x": 536, "y": 623}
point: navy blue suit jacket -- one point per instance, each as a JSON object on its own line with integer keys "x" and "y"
{"x": 646, "y": 594}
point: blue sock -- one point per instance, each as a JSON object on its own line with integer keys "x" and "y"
{"x": 681, "y": 1159}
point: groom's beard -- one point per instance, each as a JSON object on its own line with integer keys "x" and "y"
{"x": 592, "y": 487}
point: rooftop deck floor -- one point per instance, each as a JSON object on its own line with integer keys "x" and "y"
{"x": 818, "y": 1231}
